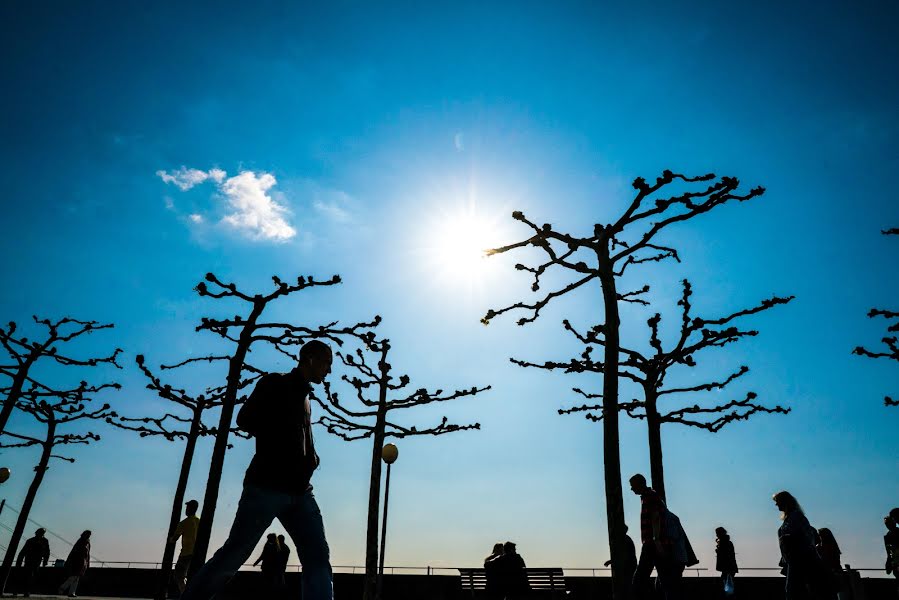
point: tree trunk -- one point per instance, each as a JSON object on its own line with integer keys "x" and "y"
{"x": 217, "y": 462}
{"x": 374, "y": 499}
{"x": 15, "y": 391}
{"x": 611, "y": 449}
{"x": 654, "y": 427}
{"x": 168, "y": 554}
{"x": 22, "y": 521}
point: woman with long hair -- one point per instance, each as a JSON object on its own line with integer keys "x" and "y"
{"x": 799, "y": 559}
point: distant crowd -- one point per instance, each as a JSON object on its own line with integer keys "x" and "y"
{"x": 809, "y": 557}
{"x": 35, "y": 553}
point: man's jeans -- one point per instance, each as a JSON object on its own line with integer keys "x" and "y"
{"x": 669, "y": 573}
{"x": 257, "y": 509}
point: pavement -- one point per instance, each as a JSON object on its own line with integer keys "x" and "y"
{"x": 55, "y": 597}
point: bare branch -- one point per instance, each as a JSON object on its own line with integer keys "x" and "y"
{"x": 536, "y": 307}
{"x": 397, "y": 431}
{"x": 706, "y": 387}
{"x": 740, "y": 410}
{"x": 196, "y": 359}
{"x": 27, "y": 440}
{"x": 712, "y": 196}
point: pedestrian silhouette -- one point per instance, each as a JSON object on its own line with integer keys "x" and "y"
{"x": 513, "y": 577}
{"x": 829, "y": 550}
{"x": 34, "y": 554}
{"x": 629, "y": 565}
{"x": 725, "y": 560}
{"x": 805, "y": 571}
{"x": 187, "y": 531}
{"x": 77, "y": 564}
{"x": 664, "y": 545}
{"x": 283, "y": 559}
{"x": 270, "y": 558}
{"x": 829, "y": 553}
{"x": 891, "y": 543}
{"x": 496, "y": 589}
{"x": 278, "y": 415}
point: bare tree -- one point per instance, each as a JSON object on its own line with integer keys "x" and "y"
{"x": 649, "y": 370}
{"x": 25, "y": 354}
{"x": 243, "y": 333}
{"x": 172, "y": 427}
{"x": 54, "y": 409}
{"x": 605, "y": 256}
{"x": 890, "y": 341}
{"x": 371, "y": 420}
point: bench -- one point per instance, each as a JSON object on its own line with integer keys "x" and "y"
{"x": 544, "y": 582}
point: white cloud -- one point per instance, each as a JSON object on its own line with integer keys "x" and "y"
{"x": 186, "y": 178}
{"x": 251, "y": 209}
{"x": 169, "y": 203}
{"x": 255, "y": 212}
{"x": 217, "y": 175}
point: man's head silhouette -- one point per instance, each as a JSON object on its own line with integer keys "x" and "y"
{"x": 315, "y": 361}
{"x": 190, "y": 507}
{"x": 638, "y": 484}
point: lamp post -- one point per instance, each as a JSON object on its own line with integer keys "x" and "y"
{"x": 389, "y": 454}
{"x": 4, "y": 475}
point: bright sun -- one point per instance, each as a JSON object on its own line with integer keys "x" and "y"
{"x": 457, "y": 245}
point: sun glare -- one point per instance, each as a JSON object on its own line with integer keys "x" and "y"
{"x": 458, "y": 243}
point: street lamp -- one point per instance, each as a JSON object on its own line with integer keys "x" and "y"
{"x": 4, "y": 475}
{"x": 389, "y": 454}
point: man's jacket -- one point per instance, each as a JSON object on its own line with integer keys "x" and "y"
{"x": 277, "y": 414}
{"x": 35, "y": 552}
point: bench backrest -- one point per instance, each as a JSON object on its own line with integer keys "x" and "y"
{"x": 538, "y": 579}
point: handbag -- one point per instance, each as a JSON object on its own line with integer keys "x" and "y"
{"x": 729, "y": 585}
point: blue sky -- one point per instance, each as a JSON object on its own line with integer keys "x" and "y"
{"x": 356, "y": 135}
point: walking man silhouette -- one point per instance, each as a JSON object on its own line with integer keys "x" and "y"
{"x": 659, "y": 547}
{"x": 278, "y": 415}
{"x": 34, "y": 553}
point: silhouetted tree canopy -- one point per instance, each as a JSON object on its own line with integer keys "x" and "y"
{"x": 605, "y": 255}
{"x": 23, "y": 354}
{"x": 355, "y": 424}
{"x": 890, "y": 341}
{"x": 378, "y": 392}
{"x": 649, "y": 370}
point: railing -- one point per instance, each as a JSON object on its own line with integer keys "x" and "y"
{"x": 429, "y": 570}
